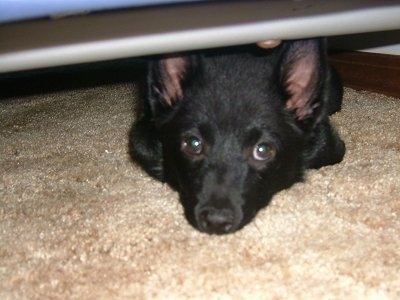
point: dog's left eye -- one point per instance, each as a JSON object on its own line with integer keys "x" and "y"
{"x": 263, "y": 152}
{"x": 192, "y": 145}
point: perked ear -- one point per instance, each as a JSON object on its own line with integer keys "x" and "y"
{"x": 167, "y": 77}
{"x": 302, "y": 68}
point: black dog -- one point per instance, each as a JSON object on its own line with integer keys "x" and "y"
{"x": 229, "y": 130}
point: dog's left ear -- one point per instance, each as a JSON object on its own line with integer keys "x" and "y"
{"x": 301, "y": 73}
{"x": 167, "y": 78}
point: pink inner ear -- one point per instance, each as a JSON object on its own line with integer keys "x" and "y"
{"x": 301, "y": 81}
{"x": 175, "y": 68}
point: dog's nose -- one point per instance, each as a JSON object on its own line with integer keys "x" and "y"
{"x": 214, "y": 220}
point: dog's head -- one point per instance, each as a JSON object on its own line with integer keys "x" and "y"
{"x": 232, "y": 127}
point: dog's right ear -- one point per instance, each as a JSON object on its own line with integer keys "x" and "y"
{"x": 167, "y": 78}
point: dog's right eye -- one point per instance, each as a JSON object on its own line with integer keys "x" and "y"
{"x": 192, "y": 145}
{"x": 263, "y": 152}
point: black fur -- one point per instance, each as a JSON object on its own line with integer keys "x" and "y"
{"x": 229, "y": 129}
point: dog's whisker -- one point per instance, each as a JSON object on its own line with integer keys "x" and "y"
{"x": 258, "y": 228}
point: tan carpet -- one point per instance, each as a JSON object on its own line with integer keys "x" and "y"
{"x": 78, "y": 220}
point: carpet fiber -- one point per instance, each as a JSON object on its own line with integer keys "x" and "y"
{"x": 79, "y": 220}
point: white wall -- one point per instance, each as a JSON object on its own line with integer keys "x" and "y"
{"x": 387, "y": 42}
{"x": 392, "y": 49}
